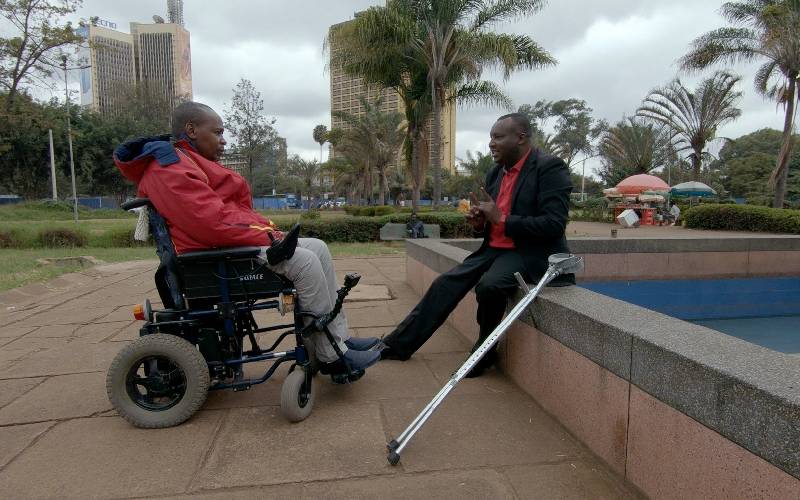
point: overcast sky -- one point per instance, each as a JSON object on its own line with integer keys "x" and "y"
{"x": 610, "y": 53}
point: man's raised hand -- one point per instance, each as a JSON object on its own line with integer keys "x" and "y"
{"x": 475, "y": 217}
{"x": 489, "y": 208}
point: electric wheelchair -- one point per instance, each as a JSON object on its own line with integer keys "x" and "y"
{"x": 196, "y": 343}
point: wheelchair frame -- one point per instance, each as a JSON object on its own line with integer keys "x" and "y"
{"x": 214, "y": 315}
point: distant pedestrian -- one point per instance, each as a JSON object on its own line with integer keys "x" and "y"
{"x": 675, "y": 212}
{"x": 415, "y": 228}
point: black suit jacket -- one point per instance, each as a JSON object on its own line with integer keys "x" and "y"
{"x": 539, "y": 211}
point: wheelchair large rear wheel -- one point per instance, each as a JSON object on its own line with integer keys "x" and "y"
{"x": 297, "y": 395}
{"x": 158, "y": 381}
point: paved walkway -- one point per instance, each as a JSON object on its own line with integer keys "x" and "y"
{"x": 59, "y": 437}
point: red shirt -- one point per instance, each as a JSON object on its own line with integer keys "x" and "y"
{"x": 497, "y": 234}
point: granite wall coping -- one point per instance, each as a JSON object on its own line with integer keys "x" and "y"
{"x": 603, "y": 245}
{"x": 747, "y": 393}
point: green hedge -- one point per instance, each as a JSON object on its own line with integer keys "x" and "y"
{"x": 364, "y": 229}
{"x": 743, "y": 218}
{"x": 370, "y": 211}
{"x": 62, "y": 238}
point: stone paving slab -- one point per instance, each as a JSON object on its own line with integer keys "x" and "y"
{"x": 258, "y": 446}
{"x": 14, "y": 331}
{"x": 108, "y": 458}
{"x": 59, "y": 437}
{"x": 59, "y": 357}
{"x": 18, "y": 437}
{"x": 57, "y": 398}
{"x": 479, "y": 431}
{"x": 363, "y": 293}
{"x": 573, "y": 479}
{"x": 443, "y": 365}
{"x": 12, "y": 389}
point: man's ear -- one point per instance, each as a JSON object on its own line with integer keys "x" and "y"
{"x": 190, "y": 130}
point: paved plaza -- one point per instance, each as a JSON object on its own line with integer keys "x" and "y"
{"x": 60, "y": 438}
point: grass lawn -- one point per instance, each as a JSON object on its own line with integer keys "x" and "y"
{"x": 19, "y": 267}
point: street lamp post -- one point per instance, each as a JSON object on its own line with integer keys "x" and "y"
{"x": 583, "y": 176}
{"x": 69, "y": 141}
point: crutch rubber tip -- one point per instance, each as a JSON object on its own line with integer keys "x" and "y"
{"x": 393, "y": 444}
{"x": 393, "y": 457}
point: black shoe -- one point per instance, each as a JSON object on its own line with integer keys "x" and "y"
{"x": 389, "y": 353}
{"x": 484, "y": 364}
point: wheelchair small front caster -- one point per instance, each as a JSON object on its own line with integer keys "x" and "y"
{"x": 297, "y": 396}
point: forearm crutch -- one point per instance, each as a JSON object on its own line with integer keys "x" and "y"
{"x": 560, "y": 263}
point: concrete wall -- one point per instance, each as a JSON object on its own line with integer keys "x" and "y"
{"x": 679, "y": 410}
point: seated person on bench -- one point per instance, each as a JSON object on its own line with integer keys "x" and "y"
{"x": 207, "y": 205}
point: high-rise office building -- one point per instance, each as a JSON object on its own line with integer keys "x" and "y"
{"x": 111, "y": 71}
{"x": 163, "y": 59}
{"x": 346, "y": 91}
{"x": 175, "y": 11}
{"x": 157, "y": 55}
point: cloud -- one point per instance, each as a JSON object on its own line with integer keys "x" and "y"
{"x": 610, "y": 53}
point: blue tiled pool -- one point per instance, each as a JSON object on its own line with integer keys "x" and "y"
{"x": 764, "y": 311}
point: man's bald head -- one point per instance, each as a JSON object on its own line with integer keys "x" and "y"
{"x": 202, "y": 127}
{"x": 190, "y": 112}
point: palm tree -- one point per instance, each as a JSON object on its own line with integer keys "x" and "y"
{"x": 373, "y": 139}
{"x": 633, "y": 147}
{"x": 307, "y": 171}
{"x": 694, "y": 117}
{"x": 450, "y": 42}
{"x": 768, "y": 31}
{"x": 321, "y": 137}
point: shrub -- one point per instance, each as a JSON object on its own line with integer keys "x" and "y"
{"x": 592, "y": 210}
{"x": 62, "y": 238}
{"x": 123, "y": 237}
{"x": 8, "y": 239}
{"x": 310, "y": 215}
{"x": 743, "y": 218}
{"x": 384, "y": 210}
{"x": 351, "y": 209}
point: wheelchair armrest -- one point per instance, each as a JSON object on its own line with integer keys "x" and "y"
{"x": 138, "y": 202}
{"x": 220, "y": 254}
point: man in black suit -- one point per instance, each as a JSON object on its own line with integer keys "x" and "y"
{"x": 522, "y": 219}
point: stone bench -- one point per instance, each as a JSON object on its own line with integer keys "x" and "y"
{"x": 396, "y": 231}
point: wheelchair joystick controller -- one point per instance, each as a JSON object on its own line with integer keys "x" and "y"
{"x": 351, "y": 280}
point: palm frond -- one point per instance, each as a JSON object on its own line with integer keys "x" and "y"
{"x": 504, "y": 10}
{"x": 482, "y": 92}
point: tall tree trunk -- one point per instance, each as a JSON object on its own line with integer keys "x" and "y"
{"x": 382, "y": 187}
{"x": 781, "y": 173}
{"x": 435, "y": 150}
{"x": 697, "y": 163}
{"x": 415, "y": 172}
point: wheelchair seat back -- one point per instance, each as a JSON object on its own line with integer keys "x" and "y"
{"x": 240, "y": 277}
{"x": 208, "y": 277}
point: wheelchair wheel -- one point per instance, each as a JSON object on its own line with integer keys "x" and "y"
{"x": 158, "y": 381}
{"x": 297, "y": 396}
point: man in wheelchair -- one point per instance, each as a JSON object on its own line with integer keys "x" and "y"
{"x": 206, "y": 205}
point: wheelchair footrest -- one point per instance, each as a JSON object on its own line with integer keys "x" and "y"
{"x": 340, "y": 373}
{"x": 347, "y": 378}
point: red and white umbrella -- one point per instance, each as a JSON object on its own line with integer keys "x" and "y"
{"x": 636, "y": 184}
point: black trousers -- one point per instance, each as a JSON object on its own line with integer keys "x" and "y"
{"x": 490, "y": 272}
